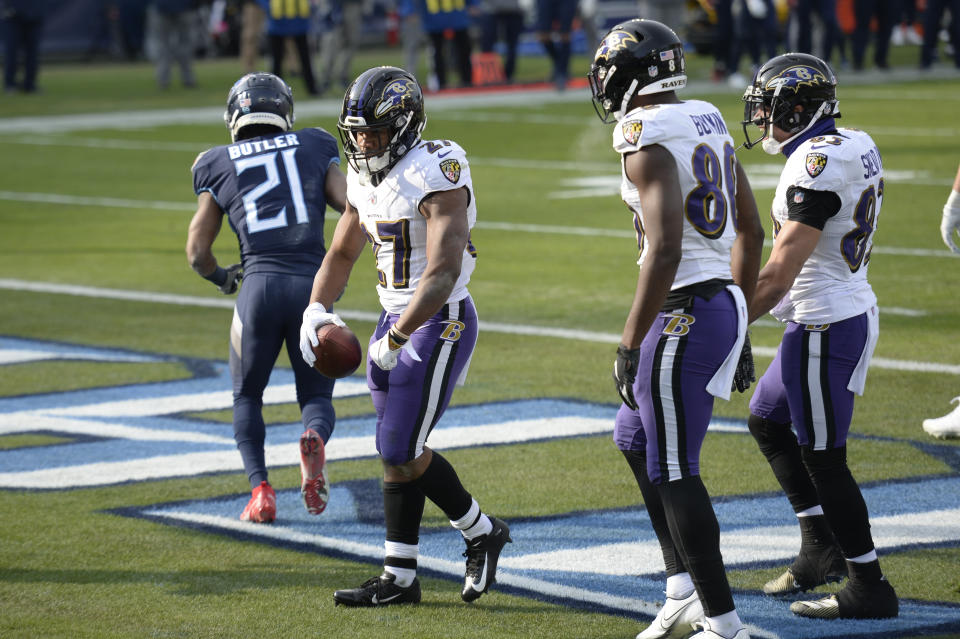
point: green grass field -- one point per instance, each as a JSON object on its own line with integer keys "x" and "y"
{"x": 107, "y": 204}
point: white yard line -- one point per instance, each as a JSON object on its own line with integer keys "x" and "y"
{"x": 493, "y": 327}
{"x": 540, "y": 229}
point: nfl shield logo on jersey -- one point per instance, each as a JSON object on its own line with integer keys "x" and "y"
{"x": 816, "y": 163}
{"x": 631, "y": 131}
{"x": 451, "y": 170}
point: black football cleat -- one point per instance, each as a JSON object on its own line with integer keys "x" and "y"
{"x": 856, "y": 600}
{"x": 482, "y": 555}
{"x": 868, "y": 595}
{"x": 379, "y": 591}
{"x": 813, "y": 567}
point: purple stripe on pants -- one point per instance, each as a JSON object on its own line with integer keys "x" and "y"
{"x": 411, "y": 398}
{"x": 680, "y": 354}
{"x": 806, "y": 384}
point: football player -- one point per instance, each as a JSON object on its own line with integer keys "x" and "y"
{"x": 825, "y": 212}
{"x": 948, "y": 426}
{"x": 700, "y": 242}
{"x": 274, "y": 184}
{"x": 413, "y": 201}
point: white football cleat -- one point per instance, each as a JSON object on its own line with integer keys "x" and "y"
{"x": 675, "y": 619}
{"x": 707, "y": 633}
{"x": 945, "y": 427}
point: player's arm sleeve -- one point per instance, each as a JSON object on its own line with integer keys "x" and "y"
{"x": 448, "y": 173}
{"x": 326, "y": 145}
{"x": 202, "y": 178}
{"x": 810, "y": 207}
{"x": 634, "y": 133}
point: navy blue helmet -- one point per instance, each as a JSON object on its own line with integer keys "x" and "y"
{"x": 259, "y": 98}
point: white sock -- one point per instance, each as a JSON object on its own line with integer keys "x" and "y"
{"x": 865, "y": 558}
{"x": 727, "y": 625}
{"x": 404, "y": 576}
{"x": 811, "y": 512}
{"x": 679, "y": 585}
{"x": 474, "y": 523}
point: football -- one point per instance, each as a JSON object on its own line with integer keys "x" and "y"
{"x": 338, "y": 353}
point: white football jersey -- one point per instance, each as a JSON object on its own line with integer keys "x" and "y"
{"x": 391, "y": 219}
{"x": 695, "y": 134}
{"x": 832, "y": 285}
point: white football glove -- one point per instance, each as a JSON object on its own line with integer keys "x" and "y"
{"x": 950, "y": 225}
{"x": 314, "y": 317}
{"x": 386, "y": 351}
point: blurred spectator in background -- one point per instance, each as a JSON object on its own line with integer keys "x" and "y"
{"x": 172, "y": 25}
{"x": 252, "y": 20}
{"x": 587, "y": 11}
{"x": 665, "y": 11}
{"x": 444, "y": 21}
{"x": 411, "y": 34}
{"x": 905, "y": 31}
{"x": 826, "y": 10}
{"x": 343, "y": 20}
{"x": 502, "y": 20}
{"x": 126, "y": 20}
{"x": 290, "y": 21}
{"x": 723, "y": 16}
{"x": 931, "y": 31}
{"x": 554, "y": 22}
{"x": 756, "y": 32}
{"x": 22, "y": 26}
{"x": 887, "y": 12}
{"x": 948, "y": 426}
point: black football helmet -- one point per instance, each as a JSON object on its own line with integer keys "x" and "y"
{"x": 780, "y": 86}
{"x": 385, "y": 102}
{"x": 637, "y": 57}
{"x": 259, "y": 98}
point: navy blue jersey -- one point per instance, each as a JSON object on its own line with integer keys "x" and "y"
{"x": 272, "y": 190}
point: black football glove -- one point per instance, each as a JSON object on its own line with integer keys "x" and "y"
{"x": 745, "y": 373}
{"x": 234, "y": 275}
{"x": 625, "y": 372}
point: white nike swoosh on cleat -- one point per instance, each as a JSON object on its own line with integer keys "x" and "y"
{"x": 482, "y": 585}
{"x": 375, "y": 600}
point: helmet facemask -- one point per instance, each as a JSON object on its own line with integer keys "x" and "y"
{"x": 372, "y": 162}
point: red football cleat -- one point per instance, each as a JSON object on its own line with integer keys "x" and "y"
{"x": 262, "y": 507}
{"x": 313, "y": 472}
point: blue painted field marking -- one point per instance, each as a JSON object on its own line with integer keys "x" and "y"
{"x": 609, "y": 560}
{"x": 604, "y": 560}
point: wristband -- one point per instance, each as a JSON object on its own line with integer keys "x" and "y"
{"x": 218, "y": 277}
{"x": 396, "y": 339}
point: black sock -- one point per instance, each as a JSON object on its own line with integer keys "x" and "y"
{"x": 440, "y": 483}
{"x": 842, "y": 501}
{"x": 779, "y": 445}
{"x": 672, "y": 561}
{"x": 815, "y": 532}
{"x": 402, "y": 510}
{"x": 694, "y": 528}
